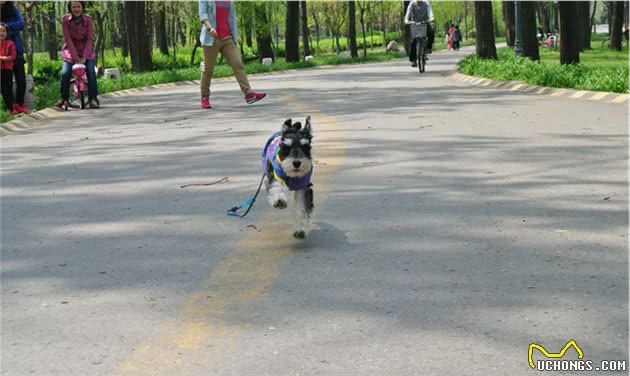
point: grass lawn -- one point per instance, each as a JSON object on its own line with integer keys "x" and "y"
{"x": 599, "y": 70}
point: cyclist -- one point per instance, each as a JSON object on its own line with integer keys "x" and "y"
{"x": 420, "y": 11}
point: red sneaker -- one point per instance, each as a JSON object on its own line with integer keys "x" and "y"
{"x": 254, "y": 97}
{"x": 205, "y": 103}
{"x": 14, "y": 110}
{"x": 22, "y": 109}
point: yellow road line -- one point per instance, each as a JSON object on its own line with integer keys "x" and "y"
{"x": 214, "y": 315}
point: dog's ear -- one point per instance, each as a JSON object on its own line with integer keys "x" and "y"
{"x": 286, "y": 126}
{"x": 307, "y": 125}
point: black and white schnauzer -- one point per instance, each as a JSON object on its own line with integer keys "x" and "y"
{"x": 287, "y": 163}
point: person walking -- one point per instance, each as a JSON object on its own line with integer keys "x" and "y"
{"x": 78, "y": 37}
{"x": 219, "y": 34}
{"x": 10, "y": 15}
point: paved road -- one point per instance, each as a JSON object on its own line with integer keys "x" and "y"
{"x": 455, "y": 225}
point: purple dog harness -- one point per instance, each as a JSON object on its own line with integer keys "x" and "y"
{"x": 270, "y": 154}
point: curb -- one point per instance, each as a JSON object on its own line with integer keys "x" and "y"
{"x": 522, "y": 87}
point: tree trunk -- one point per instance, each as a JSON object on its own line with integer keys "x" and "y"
{"x": 352, "y": 28}
{"x": 161, "y": 29}
{"x": 305, "y": 33}
{"x": 292, "y": 37}
{"x": 263, "y": 31}
{"x": 383, "y": 25}
{"x": 122, "y": 27}
{"x": 29, "y": 34}
{"x": 616, "y": 32}
{"x": 362, "y": 20}
{"x": 317, "y": 32}
{"x": 584, "y": 28}
{"x": 53, "y": 48}
{"x": 592, "y": 21}
{"x": 138, "y": 37}
{"x": 556, "y": 16}
{"x": 465, "y": 32}
{"x": 543, "y": 16}
{"x": 486, "y": 48}
{"x": 610, "y": 5}
{"x": 508, "y": 16}
{"x": 569, "y": 32}
{"x": 529, "y": 42}
{"x": 249, "y": 24}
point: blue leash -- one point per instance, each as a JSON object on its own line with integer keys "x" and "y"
{"x": 233, "y": 211}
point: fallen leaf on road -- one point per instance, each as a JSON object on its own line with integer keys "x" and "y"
{"x": 62, "y": 264}
{"x": 606, "y": 198}
{"x": 64, "y": 302}
{"x": 15, "y": 292}
{"x": 531, "y": 286}
{"x": 101, "y": 272}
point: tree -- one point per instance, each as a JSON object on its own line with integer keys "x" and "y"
{"x": 315, "y": 17}
{"x": 263, "y": 30}
{"x": 363, "y": 6}
{"x": 53, "y": 48}
{"x": 305, "y": 33}
{"x": 352, "y": 28}
{"x": 529, "y": 42}
{"x": 486, "y": 48}
{"x": 160, "y": 29}
{"x": 383, "y": 24}
{"x": 543, "y": 15}
{"x": 508, "y": 18}
{"x": 335, "y": 16}
{"x": 292, "y": 38}
{"x": 29, "y": 35}
{"x": 584, "y": 32}
{"x": 617, "y": 25}
{"x": 138, "y": 39}
{"x": 569, "y": 32}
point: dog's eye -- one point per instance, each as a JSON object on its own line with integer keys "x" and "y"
{"x": 305, "y": 141}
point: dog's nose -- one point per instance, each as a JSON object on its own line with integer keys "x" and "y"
{"x": 297, "y": 164}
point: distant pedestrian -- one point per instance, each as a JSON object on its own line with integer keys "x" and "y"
{"x": 7, "y": 57}
{"x": 449, "y": 42}
{"x": 457, "y": 37}
{"x": 219, "y": 34}
{"x": 11, "y": 16}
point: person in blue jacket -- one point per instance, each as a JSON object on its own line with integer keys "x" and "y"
{"x": 11, "y": 16}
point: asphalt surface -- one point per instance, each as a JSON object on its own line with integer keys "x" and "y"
{"x": 454, "y": 226}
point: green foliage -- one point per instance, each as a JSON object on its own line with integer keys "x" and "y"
{"x": 591, "y": 74}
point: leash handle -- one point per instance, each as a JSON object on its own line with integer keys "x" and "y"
{"x": 233, "y": 211}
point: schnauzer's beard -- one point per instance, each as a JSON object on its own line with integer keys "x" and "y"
{"x": 305, "y": 166}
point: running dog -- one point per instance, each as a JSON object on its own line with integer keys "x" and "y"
{"x": 287, "y": 164}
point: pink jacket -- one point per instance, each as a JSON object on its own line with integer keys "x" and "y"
{"x": 78, "y": 38}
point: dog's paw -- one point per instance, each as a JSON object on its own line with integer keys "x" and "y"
{"x": 300, "y": 234}
{"x": 280, "y": 204}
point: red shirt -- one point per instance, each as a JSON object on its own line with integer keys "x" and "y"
{"x": 223, "y": 10}
{"x": 7, "y": 48}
